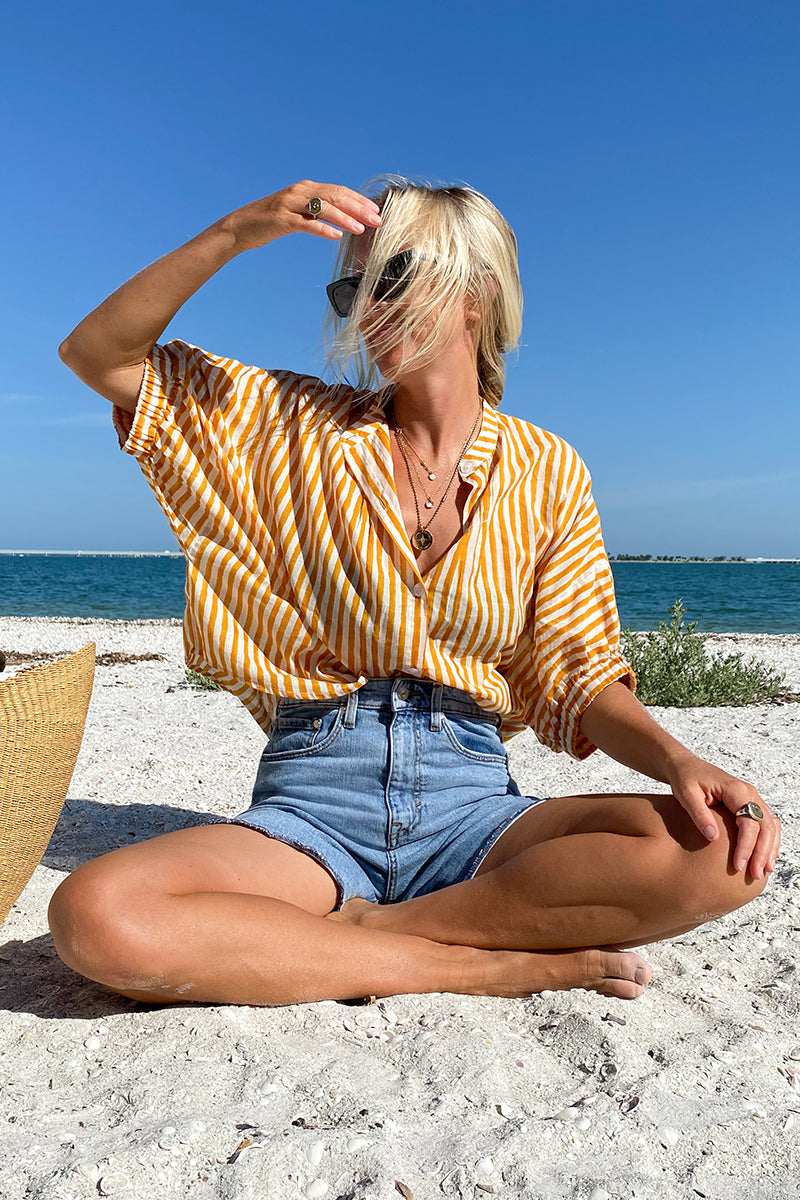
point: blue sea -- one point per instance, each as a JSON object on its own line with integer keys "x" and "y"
{"x": 753, "y": 597}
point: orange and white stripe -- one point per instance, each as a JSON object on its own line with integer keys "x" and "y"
{"x": 300, "y": 578}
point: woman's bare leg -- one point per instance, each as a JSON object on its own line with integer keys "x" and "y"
{"x": 224, "y": 914}
{"x": 581, "y": 871}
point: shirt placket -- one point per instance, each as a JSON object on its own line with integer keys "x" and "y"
{"x": 368, "y": 457}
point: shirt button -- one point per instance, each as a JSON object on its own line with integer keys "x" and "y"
{"x": 419, "y": 590}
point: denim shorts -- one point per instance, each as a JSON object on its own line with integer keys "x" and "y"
{"x": 398, "y": 789}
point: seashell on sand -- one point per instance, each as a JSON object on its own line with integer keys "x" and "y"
{"x": 111, "y": 1184}
{"x": 315, "y": 1152}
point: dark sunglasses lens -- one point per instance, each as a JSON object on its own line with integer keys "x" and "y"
{"x": 396, "y": 276}
{"x": 392, "y": 283}
{"x": 342, "y": 296}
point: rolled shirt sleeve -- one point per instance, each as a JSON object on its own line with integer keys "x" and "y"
{"x": 569, "y": 650}
{"x": 196, "y": 418}
{"x": 188, "y": 389}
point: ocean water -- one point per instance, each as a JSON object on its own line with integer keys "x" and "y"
{"x": 721, "y": 597}
{"x": 125, "y": 587}
{"x": 749, "y": 597}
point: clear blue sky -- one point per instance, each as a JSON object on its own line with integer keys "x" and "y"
{"x": 645, "y": 151}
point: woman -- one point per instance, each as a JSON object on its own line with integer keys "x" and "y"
{"x": 390, "y": 580}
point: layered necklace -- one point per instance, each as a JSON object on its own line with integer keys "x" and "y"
{"x": 422, "y": 538}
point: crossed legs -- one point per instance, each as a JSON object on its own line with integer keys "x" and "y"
{"x": 581, "y": 871}
{"x": 224, "y": 914}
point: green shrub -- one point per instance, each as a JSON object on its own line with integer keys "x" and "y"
{"x": 201, "y": 681}
{"x": 673, "y": 668}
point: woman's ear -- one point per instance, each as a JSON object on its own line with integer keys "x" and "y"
{"x": 473, "y": 309}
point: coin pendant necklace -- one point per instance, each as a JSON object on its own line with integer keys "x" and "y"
{"x": 422, "y": 538}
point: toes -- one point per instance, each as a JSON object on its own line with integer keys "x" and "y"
{"x": 620, "y": 989}
{"x": 629, "y": 965}
{"x": 623, "y": 974}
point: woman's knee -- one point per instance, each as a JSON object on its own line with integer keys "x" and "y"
{"x": 707, "y": 883}
{"x": 98, "y": 920}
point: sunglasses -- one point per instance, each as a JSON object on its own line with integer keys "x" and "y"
{"x": 391, "y": 284}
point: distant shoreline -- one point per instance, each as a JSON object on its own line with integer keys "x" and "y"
{"x": 97, "y": 553}
{"x": 177, "y": 554}
{"x": 691, "y": 562}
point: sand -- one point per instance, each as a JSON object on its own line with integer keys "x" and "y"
{"x": 693, "y": 1090}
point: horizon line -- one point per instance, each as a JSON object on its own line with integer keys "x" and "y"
{"x": 658, "y": 561}
{"x": 106, "y": 553}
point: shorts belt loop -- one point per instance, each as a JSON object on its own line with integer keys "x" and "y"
{"x": 351, "y": 710}
{"x": 436, "y": 707}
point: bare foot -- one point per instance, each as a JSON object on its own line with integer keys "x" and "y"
{"x": 517, "y": 973}
{"x": 621, "y": 973}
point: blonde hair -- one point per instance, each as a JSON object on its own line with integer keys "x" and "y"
{"x": 465, "y": 256}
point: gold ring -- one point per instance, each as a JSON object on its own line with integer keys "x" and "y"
{"x": 752, "y": 810}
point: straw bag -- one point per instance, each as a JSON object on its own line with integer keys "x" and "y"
{"x": 42, "y": 715}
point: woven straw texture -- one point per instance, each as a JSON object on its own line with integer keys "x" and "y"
{"x": 42, "y": 715}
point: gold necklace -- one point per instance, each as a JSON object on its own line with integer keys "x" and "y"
{"x": 422, "y": 538}
{"x": 431, "y": 473}
{"x": 429, "y": 499}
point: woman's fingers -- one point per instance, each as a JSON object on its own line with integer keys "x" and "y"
{"x": 747, "y": 838}
{"x": 342, "y": 209}
{"x": 700, "y": 785}
{"x": 757, "y": 843}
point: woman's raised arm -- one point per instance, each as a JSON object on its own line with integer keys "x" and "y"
{"x": 109, "y": 347}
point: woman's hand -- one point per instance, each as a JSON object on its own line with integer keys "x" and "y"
{"x": 697, "y": 785}
{"x": 286, "y": 211}
{"x": 618, "y": 724}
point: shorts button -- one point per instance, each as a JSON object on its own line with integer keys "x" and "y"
{"x": 404, "y": 691}
{"x": 317, "y": 722}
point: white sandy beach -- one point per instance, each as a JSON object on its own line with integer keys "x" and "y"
{"x": 693, "y": 1090}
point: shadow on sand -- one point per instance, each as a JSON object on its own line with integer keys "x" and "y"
{"x": 34, "y": 980}
{"x": 87, "y": 828}
{"x": 32, "y": 977}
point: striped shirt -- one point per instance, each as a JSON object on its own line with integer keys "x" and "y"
{"x": 300, "y": 578}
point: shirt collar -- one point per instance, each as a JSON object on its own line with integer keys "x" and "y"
{"x": 368, "y": 420}
{"x": 367, "y": 427}
{"x": 477, "y": 462}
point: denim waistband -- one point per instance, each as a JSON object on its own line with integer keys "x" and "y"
{"x": 399, "y": 693}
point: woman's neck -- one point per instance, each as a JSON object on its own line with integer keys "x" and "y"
{"x": 436, "y": 407}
